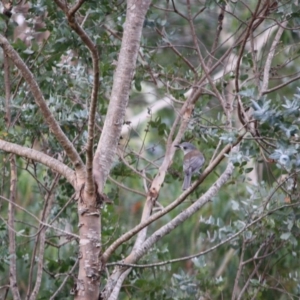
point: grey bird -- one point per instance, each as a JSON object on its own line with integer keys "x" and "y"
{"x": 193, "y": 160}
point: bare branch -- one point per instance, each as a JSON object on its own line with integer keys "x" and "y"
{"x": 11, "y": 233}
{"x": 278, "y": 87}
{"x": 41, "y": 102}
{"x": 41, "y": 238}
{"x": 247, "y": 34}
{"x": 62, "y": 6}
{"x": 216, "y": 40}
{"x": 183, "y": 116}
{"x": 40, "y": 157}
{"x": 75, "y": 7}
{"x": 40, "y": 222}
{"x": 64, "y": 281}
{"x": 239, "y": 271}
{"x": 7, "y": 90}
{"x": 104, "y": 156}
{"x": 239, "y": 297}
{"x": 115, "y": 292}
{"x": 269, "y": 59}
{"x": 121, "y": 185}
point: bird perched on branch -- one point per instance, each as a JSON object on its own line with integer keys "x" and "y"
{"x": 193, "y": 160}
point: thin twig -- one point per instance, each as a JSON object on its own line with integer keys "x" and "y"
{"x": 65, "y": 280}
{"x": 189, "y": 257}
{"x": 40, "y": 240}
{"x": 11, "y": 233}
{"x": 121, "y": 185}
{"x": 269, "y": 60}
{"x": 66, "y": 233}
{"x": 239, "y": 271}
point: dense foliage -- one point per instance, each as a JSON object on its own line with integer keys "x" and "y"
{"x": 245, "y": 239}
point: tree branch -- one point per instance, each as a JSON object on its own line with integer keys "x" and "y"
{"x": 64, "y": 281}
{"x": 40, "y": 157}
{"x": 278, "y": 87}
{"x": 239, "y": 271}
{"x": 269, "y": 59}
{"x": 41, "y": 237}
{"x": 104, "y": 156}
{"x": 115, "y": 292}
{"x": 66, "y": 233}
{"x": 240, "y": 55}
{"x": 41, "y": 102}
{"x": 75, "y": 7}
{"x": 235, "y": 235}
{"x": 11, "y": 233}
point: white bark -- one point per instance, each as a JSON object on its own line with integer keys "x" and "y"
{"x": 105, "y": 153}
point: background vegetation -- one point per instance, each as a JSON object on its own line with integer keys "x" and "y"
{"x": 220, "y": 74}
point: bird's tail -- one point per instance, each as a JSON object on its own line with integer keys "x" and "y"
{"x": 186, "y": 181}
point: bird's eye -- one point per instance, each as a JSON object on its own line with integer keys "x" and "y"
{"x": 184, "y": 148}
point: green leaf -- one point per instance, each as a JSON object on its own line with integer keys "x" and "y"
{"x": 285, "y": 236}
{"x": 138, "y": 85}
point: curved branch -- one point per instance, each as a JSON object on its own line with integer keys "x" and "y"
{"x": 40, "y": 157}
{"x": 278, "y": 87}
{"x": 41, "y": 102}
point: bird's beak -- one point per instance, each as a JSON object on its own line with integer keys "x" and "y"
{"x": 177, "y": 146}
